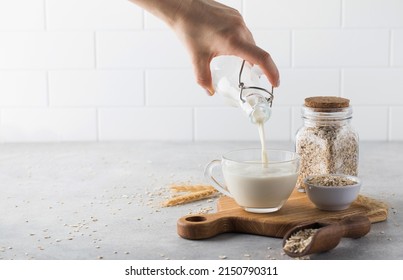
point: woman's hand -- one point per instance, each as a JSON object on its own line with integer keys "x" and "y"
{"x": 209, "y": 29}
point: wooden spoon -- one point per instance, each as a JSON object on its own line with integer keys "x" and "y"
{"x": 328, "y": 235}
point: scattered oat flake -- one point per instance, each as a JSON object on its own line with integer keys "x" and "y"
{"x": 222, "y": 257}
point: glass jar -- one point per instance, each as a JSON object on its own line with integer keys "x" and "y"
{"x": 326, "y": 143}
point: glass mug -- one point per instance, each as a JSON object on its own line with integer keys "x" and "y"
{"x": 255, "y": 186}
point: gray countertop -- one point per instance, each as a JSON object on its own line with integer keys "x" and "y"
{"x": 101, "y": 200}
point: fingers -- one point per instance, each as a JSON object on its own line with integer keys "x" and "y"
{"x": 201, "y": 65}
{"x": 256, "y": 55}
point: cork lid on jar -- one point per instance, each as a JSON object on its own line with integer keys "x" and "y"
{"x": 327, "y": 102}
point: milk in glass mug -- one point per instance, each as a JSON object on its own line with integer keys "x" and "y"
{"x": 256, "y": 186}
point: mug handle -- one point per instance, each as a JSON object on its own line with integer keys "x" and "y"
{"x": 208, "y": 174}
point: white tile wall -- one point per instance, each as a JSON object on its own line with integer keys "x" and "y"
{"x": 277, "y": 43}
{"x": 91, "y": 88}
{"x": 176, "y": 87}
{"x": 297, "y": 84}
{"x": 140, "y": 49}
{"x": 396, "y": 124}
{"x": 230, "y": 124}
{"x": 397, "y": 48}
{"x": 153, "y": 22}
{"x": 373, "y": 13}
{"x": 369, "y": 121}
{"x": 341, "y": 48}
{"x": 93, "y": 15}
{"x": 23, "y": 89}
{"x": 292, "y": 13}
{"x": 145, "y": 124}
{"x": 373, "y": 86}
{"x": 223, "y": 124}
{"x": 46, "y": 50}
{"x": 48, "y": 124}
{"x": 105, "y": 70}
{"x": 22, "y": 15}
{"x": 296, "y": 121}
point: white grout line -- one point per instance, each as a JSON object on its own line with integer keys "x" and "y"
{"x": 143, "y": 19}
{"x": 391, "y": 54}
{"x": 341, "y": 82}
{"x": 95, "y": 50}
{"x": 193, "y": 124}
{"x": 47, "y": 89}
{"x": 45, "y": 15}
{"x": 242, "y": 11}
{"x": 342, "y": 14}
{"x": 389, "y": 125}
{"x": 97, "y": 124}
{"x": 292, "y": 48}
{"x": 145, "y": 95}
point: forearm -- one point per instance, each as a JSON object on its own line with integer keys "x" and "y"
{"x": 166, "y": 10}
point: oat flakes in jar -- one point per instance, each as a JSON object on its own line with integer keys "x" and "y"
{"x": 326, "y": 143}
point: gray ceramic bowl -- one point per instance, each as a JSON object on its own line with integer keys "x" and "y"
{"x": 332, "y": 198}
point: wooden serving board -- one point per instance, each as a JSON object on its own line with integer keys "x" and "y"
{"x": 297, "y": 210}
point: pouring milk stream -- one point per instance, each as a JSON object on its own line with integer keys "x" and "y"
{"x": 240, "y": 85}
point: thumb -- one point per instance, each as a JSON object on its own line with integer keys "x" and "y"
{"x": 201, "y": 65}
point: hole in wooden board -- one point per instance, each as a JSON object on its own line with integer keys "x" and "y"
{"x": 195, "y": 219}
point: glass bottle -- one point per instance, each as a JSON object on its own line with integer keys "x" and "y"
{"x": 240, "y": 85}
{"x": 326, "y": 143}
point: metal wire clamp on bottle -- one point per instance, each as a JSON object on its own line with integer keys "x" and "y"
{"x": 243, "y": 87}
{"x": 256, "y": 103}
